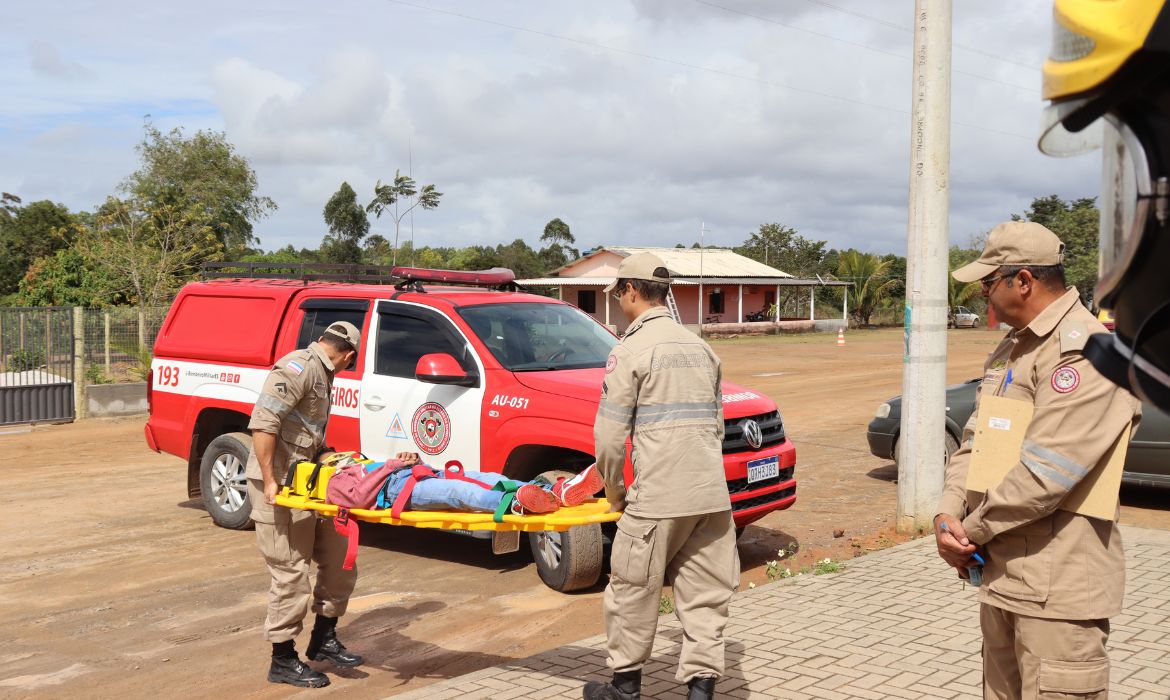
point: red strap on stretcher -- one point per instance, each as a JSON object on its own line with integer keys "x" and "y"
{"x": 417, "y": 473}
{"x": 348, "y": 527}
{"x": 453, "y": 470}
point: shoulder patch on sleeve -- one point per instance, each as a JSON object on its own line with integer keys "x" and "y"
{"x": 1065, "y": 380}
{"x": 610, "y": 363}
{"x": 295, "y": 367}
{"x": 1073, "y": 337}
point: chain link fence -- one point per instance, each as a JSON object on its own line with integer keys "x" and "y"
{"x": 118, "y": 341}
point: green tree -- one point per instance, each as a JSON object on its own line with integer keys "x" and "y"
{"x": 398, "y": 195}
{"x": 201, "y": 175}
{"x": 1076, "y": 223}
{"x": 65, "y": 279}
{"x": 287, "y": 254}
{"x": 36, "y": 230}
{"x": 376, "y": 250}
{"x": 521, "y": 259}
{"x": 552, "y": 257}
{"x": 557, "y": 235}
{"x": 962, "y": 294}
{"x": 871, "y": 282}
{"x": 151, "y": 249}
{"x": 783, "y": 248}
{"x": 432, "y": 258}
{"x": 958, "y": 293}
{"x": 9, "y": 204}
{"x": 348, "y": 225}
{"x": 476, "y": 257}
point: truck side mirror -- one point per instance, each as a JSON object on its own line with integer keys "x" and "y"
{"x": 441, "y": 368}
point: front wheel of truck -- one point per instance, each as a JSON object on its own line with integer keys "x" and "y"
{"x": 222, "y": 480}
{"x": 569, "y": 560}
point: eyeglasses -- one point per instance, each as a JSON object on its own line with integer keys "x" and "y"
{"x": 617, "y": 293}
{"x": 989, "y": 282}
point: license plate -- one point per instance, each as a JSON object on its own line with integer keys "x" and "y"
{"x": 760, "y": 469}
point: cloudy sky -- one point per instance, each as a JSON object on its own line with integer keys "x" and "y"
{"x": 632, "y": 120}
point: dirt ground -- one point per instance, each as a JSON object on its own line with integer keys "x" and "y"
{"x": 114, "y": 585}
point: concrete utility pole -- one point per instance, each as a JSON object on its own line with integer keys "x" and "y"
{"x": 921, "y": 449}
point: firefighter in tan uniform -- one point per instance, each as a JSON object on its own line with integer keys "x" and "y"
{"x": 1052, "y": 578}
{"x": 662, "y": 384}
{"x": 288, "y": 426}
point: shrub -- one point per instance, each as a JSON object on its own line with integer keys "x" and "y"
{"x": 23, "y": 360}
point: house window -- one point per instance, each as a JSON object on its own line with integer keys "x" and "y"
{"x": 587, "y": 300}
{"x": 716, "y": 301}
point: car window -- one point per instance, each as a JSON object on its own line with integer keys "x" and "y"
{"x": 535, "y": 336}
{"x": 317, "y": 320}
{"x": 402, "y": 340}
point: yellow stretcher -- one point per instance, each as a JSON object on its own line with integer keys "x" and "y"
{"x": 306, "y": 489}
{"x": 594, "y": 511}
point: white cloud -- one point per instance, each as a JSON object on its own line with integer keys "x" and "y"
{"x": 47, "y": 61}
{"x": 722, "y": 117}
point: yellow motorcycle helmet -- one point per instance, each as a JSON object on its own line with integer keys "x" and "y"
{"x": 1108, "y": 81}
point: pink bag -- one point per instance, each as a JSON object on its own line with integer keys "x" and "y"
{"x": 353, "y": 487}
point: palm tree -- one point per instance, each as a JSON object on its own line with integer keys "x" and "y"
{"x": 871, "y": 286}
{"x": 960, "y": 294}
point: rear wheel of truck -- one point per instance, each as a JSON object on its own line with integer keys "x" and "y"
{"x": 223, "y": 483}
{"x": 569, "y": 560}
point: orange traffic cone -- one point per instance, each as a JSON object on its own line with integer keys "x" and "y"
{"x": 840, "y": 337}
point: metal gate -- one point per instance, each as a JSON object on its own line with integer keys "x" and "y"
{"x": 36, "y": 365}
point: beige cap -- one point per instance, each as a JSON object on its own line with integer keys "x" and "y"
{"x": 641, "y": 266}
{"x": 347, "y": 332}
{"x": 1014, "y": 243}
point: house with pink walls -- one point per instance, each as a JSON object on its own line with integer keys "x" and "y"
{"x": 714, "y": 289}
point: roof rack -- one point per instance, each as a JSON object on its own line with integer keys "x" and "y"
{"x": 403, "y": 278}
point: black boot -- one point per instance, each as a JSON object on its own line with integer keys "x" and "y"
{"x": 287, "y": 667}
{"x": 626, "y": 685}
{"x": 702, "y": 688}
{"x": 324, "y": 645}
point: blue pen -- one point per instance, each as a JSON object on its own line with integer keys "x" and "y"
{"x": 975, "y": 573}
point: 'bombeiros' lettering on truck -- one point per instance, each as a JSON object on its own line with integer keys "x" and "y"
{"x": 500, "y": 380}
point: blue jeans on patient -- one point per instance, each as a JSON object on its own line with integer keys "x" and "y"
{"x": 438, "y": 493}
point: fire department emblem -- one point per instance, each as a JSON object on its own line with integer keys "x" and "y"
{"x": 1065, "y": 379}
{"x": 431, "y": 428}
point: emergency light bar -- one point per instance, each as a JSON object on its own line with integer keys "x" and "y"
{"x": 413, "y": 278}
{"x": 483, "y": 278}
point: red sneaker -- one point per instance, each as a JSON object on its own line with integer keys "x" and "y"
{"x": 580, "y": 488}
{"x": 533, "y": 500}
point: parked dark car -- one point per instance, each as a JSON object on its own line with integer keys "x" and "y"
{"x": 1147, "y": 463}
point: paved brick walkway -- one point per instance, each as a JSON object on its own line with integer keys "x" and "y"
{"x": 896, "y": 624}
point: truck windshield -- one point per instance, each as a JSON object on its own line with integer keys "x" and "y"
{"x": 537, "y": 337}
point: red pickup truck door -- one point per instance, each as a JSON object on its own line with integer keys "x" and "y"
{"x": 400, "y": 413}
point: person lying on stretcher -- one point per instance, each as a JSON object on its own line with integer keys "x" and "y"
{"x": 470, "y": 491}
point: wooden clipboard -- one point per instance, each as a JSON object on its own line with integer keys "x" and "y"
{"x": 1001, "y": 424}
